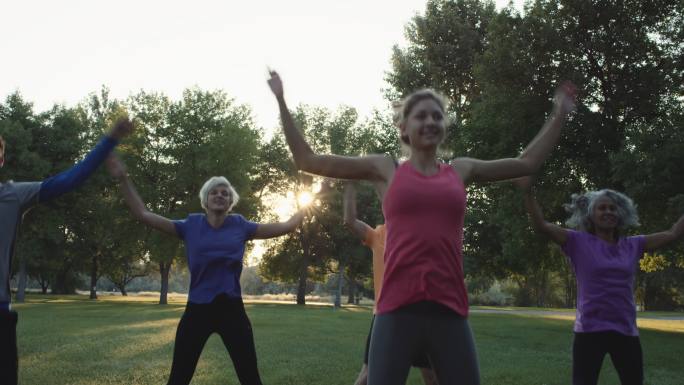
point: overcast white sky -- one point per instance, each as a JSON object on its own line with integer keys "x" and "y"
{"x": 328, "y": 52}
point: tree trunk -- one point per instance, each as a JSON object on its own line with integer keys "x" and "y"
{"x": 21, "y": 285}
{"x": 301, "y": 286}
{"x": 340, "y": 284}
{"x": 647, "y": 294}
{"x": 93, "y": 277}
{"x": 122, "y": 289}
{"x": 44, "y": 282}
{"x": 164, "y": 268}
{"x": 352, "y": 291}
{"x": 304, "y": 272}
{"x": 65, "y": 281}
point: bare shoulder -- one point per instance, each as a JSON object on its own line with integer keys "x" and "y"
{"x": 384, "y": 165}
{"x": 464, "y": 167}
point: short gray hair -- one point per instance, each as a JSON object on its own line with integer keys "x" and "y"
{"x": 217, "y": 181}
{"x": 582, "y": 206}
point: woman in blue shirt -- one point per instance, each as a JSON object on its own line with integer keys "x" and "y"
{"x": 214, "y": 244}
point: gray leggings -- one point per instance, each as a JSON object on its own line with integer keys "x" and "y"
{"x": 401, "y": 336}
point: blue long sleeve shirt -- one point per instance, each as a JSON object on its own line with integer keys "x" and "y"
{"x": 17, "y": 198}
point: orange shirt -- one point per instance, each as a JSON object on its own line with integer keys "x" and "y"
{"x": 375, "y": 240}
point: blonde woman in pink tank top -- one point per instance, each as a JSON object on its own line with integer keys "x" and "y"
{"x": 423, "y": 305}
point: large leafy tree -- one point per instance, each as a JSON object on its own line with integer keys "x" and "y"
{"x": 323, "y": 245}
{"x": 624, "y": 57}
{"x": 178, "y": 147}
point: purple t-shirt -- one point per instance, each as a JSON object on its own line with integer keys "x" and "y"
{"x": 214, "y": 255}
{"x": 605, "y": 281}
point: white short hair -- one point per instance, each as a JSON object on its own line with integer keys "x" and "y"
{"x": 217, "y": 181}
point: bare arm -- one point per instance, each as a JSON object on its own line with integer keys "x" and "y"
{"x": 272, "y": 230}
{"x": 135, "y": 204}
{"x": 358, "y": 227}
{"x": 533, "y": 156}
{"x": 664, "y": 238}
{"x": 556, "y": 233}
{"x": 373, "y": 167}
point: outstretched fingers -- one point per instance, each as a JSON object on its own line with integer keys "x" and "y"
{"x": 565, "y": 98}
{"x": 275, "y": 83}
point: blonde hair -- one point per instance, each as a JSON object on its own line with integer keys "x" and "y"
{"x": 213, "y": 182}
{"x": 403, "y": 108}
{"x": 2, "y": 143}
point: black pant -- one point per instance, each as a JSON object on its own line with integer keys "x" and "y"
{"x": 424, "y": 328}
{"x": 8, "y": 347}
{"x": 588, "y": 350}
{"x": 225, "y": 316}
{"x": 422, "y": 361}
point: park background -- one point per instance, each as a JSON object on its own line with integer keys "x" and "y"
{"x": 496, "y": 64}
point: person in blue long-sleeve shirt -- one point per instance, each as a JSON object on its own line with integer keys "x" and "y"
{"x": 15, "y": 199}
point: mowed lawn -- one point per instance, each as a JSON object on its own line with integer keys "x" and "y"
{"x": 115, "y": 340}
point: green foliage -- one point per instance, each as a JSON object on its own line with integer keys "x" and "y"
{"x": 498, "y": 69}
{"x": 177, "y": 146}
{"x": 323, "y": 245}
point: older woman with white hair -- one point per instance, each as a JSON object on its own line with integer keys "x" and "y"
{"x": 605, "y": 263}
{"x": 215, "y": 245}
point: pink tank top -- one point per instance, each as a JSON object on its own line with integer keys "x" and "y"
{"x": 424, "y": 247}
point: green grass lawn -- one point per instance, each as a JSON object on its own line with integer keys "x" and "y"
{"x": 115, "y": 340}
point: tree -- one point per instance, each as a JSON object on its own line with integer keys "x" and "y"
{"x": 628, "y": 64}
{"x": 181, "y": 144}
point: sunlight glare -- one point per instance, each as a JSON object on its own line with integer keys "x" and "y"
{"x": 305, "y": 198}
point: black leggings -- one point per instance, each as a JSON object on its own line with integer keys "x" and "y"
{"x": 8, "y": 347}
{"x": 225, "y": 316}
{"x": 422, "y": 361}
{"x": 424, "y": 328}
{"x": 588, "y": 350}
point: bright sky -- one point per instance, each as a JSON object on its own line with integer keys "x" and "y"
{"x": 328, "y": 52}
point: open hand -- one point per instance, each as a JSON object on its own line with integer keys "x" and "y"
{"x": 565, "y": 98}
{"x": 122, "y": 128}
{"x": 276, "y": 84}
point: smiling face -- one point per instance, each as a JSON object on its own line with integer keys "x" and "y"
{"x": 425, "y": 126}
{"x": 605, "y": 215}
{"x": 218, "y": 194}
{"x": 219, "y": 199}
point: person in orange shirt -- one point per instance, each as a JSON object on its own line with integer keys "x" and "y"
{"x": 374, "y": 238}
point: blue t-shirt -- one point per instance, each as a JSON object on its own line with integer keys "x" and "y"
{"x": 214, "y": 255}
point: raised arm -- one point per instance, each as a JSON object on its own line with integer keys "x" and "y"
{"x": 358, "y": 227}
{"x": 372, "y": 167}
{"x": 272, "y": 230}
{"x": 70, "y": 179}
{"x": 118, "y": 171}
{"x": 533, "y": 156}
{"x": 664, "y": 238}
{"x": 556, "y": 233}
